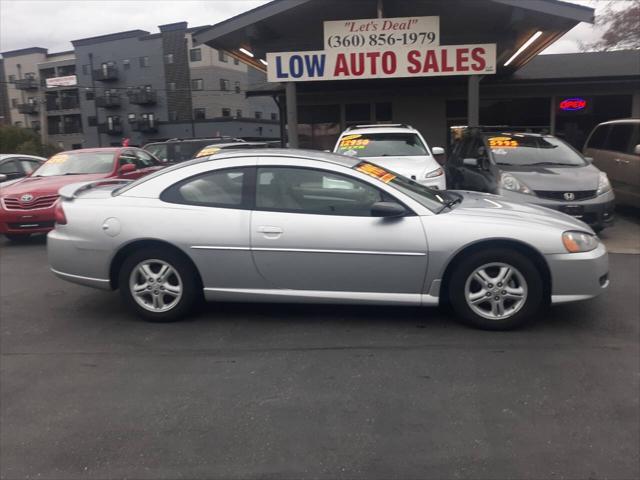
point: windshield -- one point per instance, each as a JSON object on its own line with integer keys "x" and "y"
{"x": 76, "y": 163}
{"x": 381, "y": 145}
{"x": 431, "y": 199}
{"x": 521, "y": 150}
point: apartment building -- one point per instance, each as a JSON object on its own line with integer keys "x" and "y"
{"x": 146, "y": 87}
{"x": 42, "y": 94}
{"x": 4, "y": 98}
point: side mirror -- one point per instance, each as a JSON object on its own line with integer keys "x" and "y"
{"x": 589, "y": 159}
{"x": 636, "y": 149}
{"x": 437, "y": 151}
{"x": 3, "y": 177}
{"x": 127, "y": 168}
{"x": 470, "y": 162}
{"x": 387, "y": 209}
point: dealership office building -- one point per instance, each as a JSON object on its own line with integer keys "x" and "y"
{"x": 432, "y": 64}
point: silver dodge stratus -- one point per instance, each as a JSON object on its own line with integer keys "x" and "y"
{"x": 300, "y": 226}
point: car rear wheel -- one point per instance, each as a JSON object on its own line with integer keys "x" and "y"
{"x": 496, "y": 289}
{"x": 17, "y": 238}
{"x": 159, "y": 285}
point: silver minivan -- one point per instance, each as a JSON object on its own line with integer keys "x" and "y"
{"x": 615, "y": 149}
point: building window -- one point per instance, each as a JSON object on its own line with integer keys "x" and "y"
{"x": 30, "y": 76}
{"x": 92, "y": 121}
{"x": 238, "y": 113}
{"x": 168, "y": 58}
{"x": 173, "y": 116}
{"x": 14, "y": 103}
{"x": 171, "y": 86}
{"x": 195, "y": 54}
{"x": 199, "y": 113}
{"x": 236, "y": 61}
{"x": 237, "y": 87}
{"x": 226, "y": 112}
{"x": 222, "y": 56}
{"x": 197, "y": 84}
{"x": 18, "y": 124}
{"x": 224, "y": 84}
{"x": 274, "y": 116}
{"x": 144, "y": 62}
{"x": 12, "y": 79}
{"x": 258, "y": 115}
{"x": 131, "y": 117}
{"x": 126, "y": 64}
{"x": 383, "y": 112}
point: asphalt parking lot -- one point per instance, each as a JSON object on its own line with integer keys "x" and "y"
{"x": 281, "y": 391}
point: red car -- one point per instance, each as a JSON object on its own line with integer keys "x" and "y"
{"x": 27, "y": 206}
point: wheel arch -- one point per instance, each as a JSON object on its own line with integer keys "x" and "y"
{"x": 521, "y": 247}
{"x": 125, "y": 250}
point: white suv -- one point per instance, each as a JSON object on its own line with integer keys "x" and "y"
{"x": 399, "y": 148}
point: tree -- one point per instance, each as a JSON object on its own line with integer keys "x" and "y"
{"x": 622, "y": 28}
{"x": 23, "y": 140}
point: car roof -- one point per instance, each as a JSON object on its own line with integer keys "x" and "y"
{"x": 621, "y": 120}
{"x": 102, "y": 149}
{"x": 9, "y": 155}
{"x": 374, "y": 129}
{"x": 233, "y": 144}
{"x": 515, "y": 132}
{"x": 187, "y": 140}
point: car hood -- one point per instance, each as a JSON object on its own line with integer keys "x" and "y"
{"x": 414, "y": 166}
{"x": 549, "y": 178}
{"x": 40, "y": 186}
{"x": 495, "y": 208}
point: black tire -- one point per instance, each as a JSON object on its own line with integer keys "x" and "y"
{"x": 191, "y": 290}
{"x": 18, "y": 237}
{"x": 464, "y": 269}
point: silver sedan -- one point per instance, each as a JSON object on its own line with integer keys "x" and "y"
{"x": 300, "y": 226}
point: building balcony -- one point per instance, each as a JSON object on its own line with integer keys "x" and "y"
{"x": 145, "y": 126}
{"x": 28, "y": 108}
{"x": 108, "y": 101}
{"x": 105, "y": 74}
{"x": 62, "y": 103}
{"x": 143, "y": 97}
{"x": 114, "y": 129}
{"x": 27, "y": 84}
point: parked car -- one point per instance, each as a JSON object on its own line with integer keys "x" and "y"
{"x": 532, "y": 168}
{"x": 399, "y": 148}
{"x": 180, "y": 149}
{"x": 15, "y": 165}
{"x": 301, "y": 226}
{"x": 218, "y": 147}
{"x": 27, "y": 206}
{"x": 615, "y": 149}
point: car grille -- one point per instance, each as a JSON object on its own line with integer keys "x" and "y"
{"x": 38, "y": 202}
{"x": 559, "y": 195}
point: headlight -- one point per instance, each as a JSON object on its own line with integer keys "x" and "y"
{"x": 509, "y": 182}
{"x": 604, "y": 185}
{"x": 576, "y": 242}
{"x": 435, "y": 173}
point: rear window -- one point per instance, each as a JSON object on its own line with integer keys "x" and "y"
{"x": 367, "y": 145}
{"x": 77, "y": 163}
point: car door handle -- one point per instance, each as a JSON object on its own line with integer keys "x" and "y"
{"x": 626, "y": 162}
{"x": 268, "y": 229}
{"x": 617, "y": 160}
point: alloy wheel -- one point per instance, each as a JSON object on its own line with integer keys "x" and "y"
{"x": 155, "y": 285}
{"x": 496, "y": 291}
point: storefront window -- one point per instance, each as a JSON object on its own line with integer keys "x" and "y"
{"x": 318, "y": 126}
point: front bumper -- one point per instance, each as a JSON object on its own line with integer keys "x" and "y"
{"x": 598, "y": 212}
{"x": 578, "y": 276}
{"x": 16, "y": 222}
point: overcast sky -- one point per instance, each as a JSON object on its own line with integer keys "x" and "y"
{"x": 53, "y": 24}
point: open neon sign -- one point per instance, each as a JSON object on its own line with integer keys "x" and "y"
{"x": 573, "y": 104}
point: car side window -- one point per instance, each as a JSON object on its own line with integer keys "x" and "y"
{"x": 145, "y": 160}
{"x": 9, "y": 167}
{"x": 619, "y": 138}
{"x": 160, "y": 151}
{"x": 598, "y": 137}
{"x": 311, "y": 191}
{"x": 127, "y": 157}
{"x": 221, "y": 188}
{"x": 29, "y": 165}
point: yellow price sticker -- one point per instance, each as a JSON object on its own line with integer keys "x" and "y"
{"x": 207, "y": 151}
{"x": 502, "y": 142}
{"x": 59, "y": 158}
{"x": 376, "y": 172}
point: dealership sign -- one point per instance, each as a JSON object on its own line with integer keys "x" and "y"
{"x": 68, "y": 81}
{"x": 382, "y": 48}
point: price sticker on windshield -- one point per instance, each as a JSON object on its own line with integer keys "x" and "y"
{"x": 503, "y": 142}
{"x": 207, "y": 151}
{"x": 57, "y": 159}
{"x": 376, "y": 172}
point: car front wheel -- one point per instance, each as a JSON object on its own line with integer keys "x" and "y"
{"x": 159, "y": 285}
{"x": 496, "y": 289}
